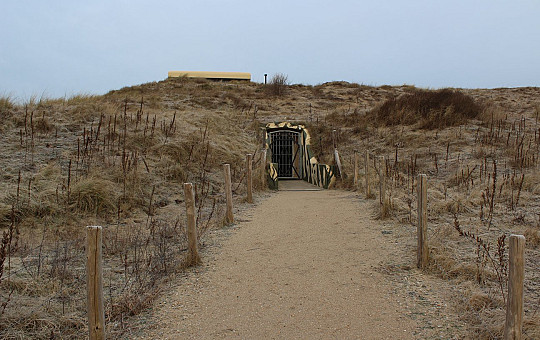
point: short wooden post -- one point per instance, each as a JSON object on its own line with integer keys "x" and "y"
{"x": 382, "y": 184}
{"x": 366, "y": 166}
{"x": 94, "y": 282}
{"x": 193, "y": 245}
{"x": 249, "y": 166}
{"x": 229, "y": 218}
{"x": 263, "y": 169}
{"x": 516, "y": 275}
{"x": 355, "y": 181}
{"x": 421, "y": 230}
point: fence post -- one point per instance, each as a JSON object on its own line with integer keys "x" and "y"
{"x": 516, "y": 274}
{"x": 355, "y": 168}
{"x": 229, "y": 218}
{"x": 94, "y": 282}
{"x": 249, "y": 166}
{"x": 421, "y": 230}
{"x": 382, "y": 184}
{"x": 193, "y": 246}
{"x": 366, "y": 166}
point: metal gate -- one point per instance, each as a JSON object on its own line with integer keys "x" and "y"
{"x": 284, "y": 148}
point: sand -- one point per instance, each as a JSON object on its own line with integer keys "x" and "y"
{"x": 301, "y": 265}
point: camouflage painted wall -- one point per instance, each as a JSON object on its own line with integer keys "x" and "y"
{"x": 311, "y": 170}
{"x": 273, "y": 182}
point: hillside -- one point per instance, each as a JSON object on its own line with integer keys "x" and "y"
{"x": 119, "y": 160}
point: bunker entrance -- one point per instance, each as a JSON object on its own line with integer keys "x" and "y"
{"x": 284, "y": 148}
{"x": 291, "y": 157}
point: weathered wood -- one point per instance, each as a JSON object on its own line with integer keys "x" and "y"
{"x": 516, "y": 275}
{"x": 382, "y": 184}
{"x": 94, "y": 282}
{"x": 193, "y": 243}
{"x": 338, "y": 162}
{"x": 263, "y": 169}
{"x": 366, "y": 171}
{"x": 355, "y": 181}
{"x": 229, "y": 218}
{"x": 422, "y": 257}
{"x": 249, "y": 177}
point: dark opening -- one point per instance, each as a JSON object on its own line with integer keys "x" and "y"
{"x": 284, "y": 148}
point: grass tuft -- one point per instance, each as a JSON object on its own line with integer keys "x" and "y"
{"x": 94, "y": 195}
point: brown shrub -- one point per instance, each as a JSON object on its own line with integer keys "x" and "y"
{"x": 277, "y": 85}
{"x": 428, "y": 109}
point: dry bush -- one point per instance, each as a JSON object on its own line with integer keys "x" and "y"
{"x": 427, "y": 109}
{"x": 277, "y": 86}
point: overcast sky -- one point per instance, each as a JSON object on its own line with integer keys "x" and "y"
{"x": 59, "y": 48}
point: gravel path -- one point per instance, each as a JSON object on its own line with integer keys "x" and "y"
{"x": 301, "y": 265}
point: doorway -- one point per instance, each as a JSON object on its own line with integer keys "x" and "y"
{"x": 284, "y": 148}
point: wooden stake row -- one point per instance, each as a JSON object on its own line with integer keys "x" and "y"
{"x": 94, "y": 257}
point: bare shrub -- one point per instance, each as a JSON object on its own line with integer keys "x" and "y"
{"x": 278, "y": 84}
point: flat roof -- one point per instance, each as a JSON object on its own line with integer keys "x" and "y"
{"x": 211, "y": 75}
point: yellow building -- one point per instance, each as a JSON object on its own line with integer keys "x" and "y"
{"x": 212, "y": 75}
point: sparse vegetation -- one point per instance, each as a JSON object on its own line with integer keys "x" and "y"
{"x": 478, "y": 156}
{"x": 119, "y": 160}
{"x": 112, "y": 161}
{"x": 277, "y": 85}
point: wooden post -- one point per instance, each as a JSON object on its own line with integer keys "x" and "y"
{"x": 229, "y": 218}
{"x": 94, "y": 282}
{"x": 338, "y": 162}
{"x": 516, "y": 274}
{"x": 382, "y": 184}
{"x": 193, "y": 245}
{"x": 366, "y": 166}
{"x": 263, "y": 169}
{"x": 421, "y": 230}
{"x": 355, "y": 181}
{"x": 249, "y": 162}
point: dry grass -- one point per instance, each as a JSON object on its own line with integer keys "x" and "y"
{"x": 482, "y": 169}
{"x": 115, "y": 161}
{"x": 532, "y": 235}
{"x": 128, "y": 177}
{"x": 427, "y": 109}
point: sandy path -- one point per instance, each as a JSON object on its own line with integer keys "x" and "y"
{"x": 302, "y": 265}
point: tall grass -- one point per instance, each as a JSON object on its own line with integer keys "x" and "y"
{"x": 90, "y": 160}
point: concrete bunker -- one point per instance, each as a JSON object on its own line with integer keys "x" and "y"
{"x": 290, "y": 155}
{"x": 217, "y": 76}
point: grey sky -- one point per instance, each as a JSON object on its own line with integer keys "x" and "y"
{"x": 65, "y": 47}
